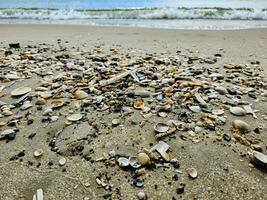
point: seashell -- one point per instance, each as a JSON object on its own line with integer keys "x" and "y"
{"x": 123, "y": 162}
{"x": 138, "y": 103}
{"x": 195, "y": 109}
{"x": 41, "y": 89}
{"x": 45, "y": 95}
{"x": 20, "y": 91}
{"x": 75, "y": 117}
{"x": 161, "y": 127}
{"x": 221, "y": 90}
{"x": 201, "y": 101}
{"x": 237, "y": 111}
{"x": 242, "y": 126}
{"x": 47, "y": 111}
{"x": 26, "y": 105}
{"x": 143, "y": 159}
{"x": 192, "y": 172}
{"x": 217, "y": 112}
{"x": 258, "y": 158}
{"x": 162, "y": 114}
{"x": 7, "y": 113}
{"x": 138, "y": 182}
{"x": 40, "y": 101}
{"x": 141, "y": 196}
{"x": 38, "y": 153}
{"x": 12, "y": 76}
{"x": 80, "y": 94}
{"x": 62, "y": 161}
{"x": 116, "y": 122}
{"x": 7, "y": 132}
{"x": 57, "y": 103}
{"x": 162, "y": 148}
{"x": 134, "y": 163}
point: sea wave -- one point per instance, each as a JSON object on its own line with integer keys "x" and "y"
{"x": 134, "y": 13}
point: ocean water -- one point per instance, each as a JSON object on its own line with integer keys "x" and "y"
{"x": 177, "y": 14}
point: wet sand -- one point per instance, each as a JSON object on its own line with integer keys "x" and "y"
{"x": 224, "y": 170}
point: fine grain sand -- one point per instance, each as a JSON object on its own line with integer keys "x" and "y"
{"x": 223, "y": 173}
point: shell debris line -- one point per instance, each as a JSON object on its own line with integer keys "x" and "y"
{"x": 129, "y": 113}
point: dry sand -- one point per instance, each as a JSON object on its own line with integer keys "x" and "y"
{"x": 223, "y": 173}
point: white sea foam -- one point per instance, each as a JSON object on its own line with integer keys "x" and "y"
{"x": 142, "y": 13}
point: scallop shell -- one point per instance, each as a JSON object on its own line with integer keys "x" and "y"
{"x": 192, "y": 172}
{"x": 139, "y": 103}
{"x": 57, "y": 103}
{"x": 75, "y": 117}
{"x": 123, "y": 162}
{"x": 161, "y": 128}
{"x": 38, "y": 153}
{"x": 80, "y": 94}
{"x": 21, "y": 91}
{"x": 237, "y": 111}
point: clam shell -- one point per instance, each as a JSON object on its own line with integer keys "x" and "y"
{"x": 12, "y": 76}
{"x": 134, "y": 163}
{"x": 237, "y": 111}
{"x": 123, "y": 162}
{"x": 21, "y": 91}
{"x": 38, "y": 153}
{"x": 57, "y": 103}
{"x": 138, "y": 103}
{"x": 161, "y": 128}
{"x": 26, "y": 105}
{"x": 195, "y": 109}
{"x": 116, "y": 122}
{"x": 192, "y": 172}
{"x": 143, "y": 159}
{"x": 75, "y": 117}
{"x": 259, "y": 158}
{"x": 80, "y": 94}
{"x": 241, "y": 126}
{"x": 6, "y": 132}
{"x": 217, "y": 111}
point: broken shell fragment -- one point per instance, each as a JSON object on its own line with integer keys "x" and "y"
{"x": 75, "y": 117}
{"x": 217, "y": 112}
{"x": 237, "y": 111}
{"x": 20, "y": 91}
{"x": 138, "y": 103}
{"x": 38, "y": 153}
{"x": 192, "y": 172}
{"x": 162, "y": 148}
{"x": 242, "y": 126}
{"x": 26, "y": 105}
{"x": 161, "y": 128}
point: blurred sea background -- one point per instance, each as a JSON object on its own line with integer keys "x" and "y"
{"x": 175, "y": 14}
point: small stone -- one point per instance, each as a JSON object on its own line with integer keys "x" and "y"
{"x": 237, "y": 111}
{"x": 75, "y": 117}
{"x": 62, "y": 161}
{"x": 141, "y": 196}
{"x": 180, "y": 189}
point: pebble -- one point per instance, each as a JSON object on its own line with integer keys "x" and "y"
{"x": 237, "y": 111}
{"x": 141, "y": 196}
{"x": 242, "y": 126}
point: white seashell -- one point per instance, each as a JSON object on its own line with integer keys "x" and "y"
{"x": 20, "y": 91}
{"x": 237, "y": 111}
{"x": 75, "y": 117}
{"x": 62, "y": 161}
{"x": 161, "y": 128}
{"x": 123, "y": 162}
{"x": 192, "y": 172}
{"x": 38, "y": 153}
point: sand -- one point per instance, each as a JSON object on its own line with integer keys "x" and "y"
{"x": 223, "y": 172}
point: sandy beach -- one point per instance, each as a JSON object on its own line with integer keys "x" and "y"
{"x": 93, "y": 145}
